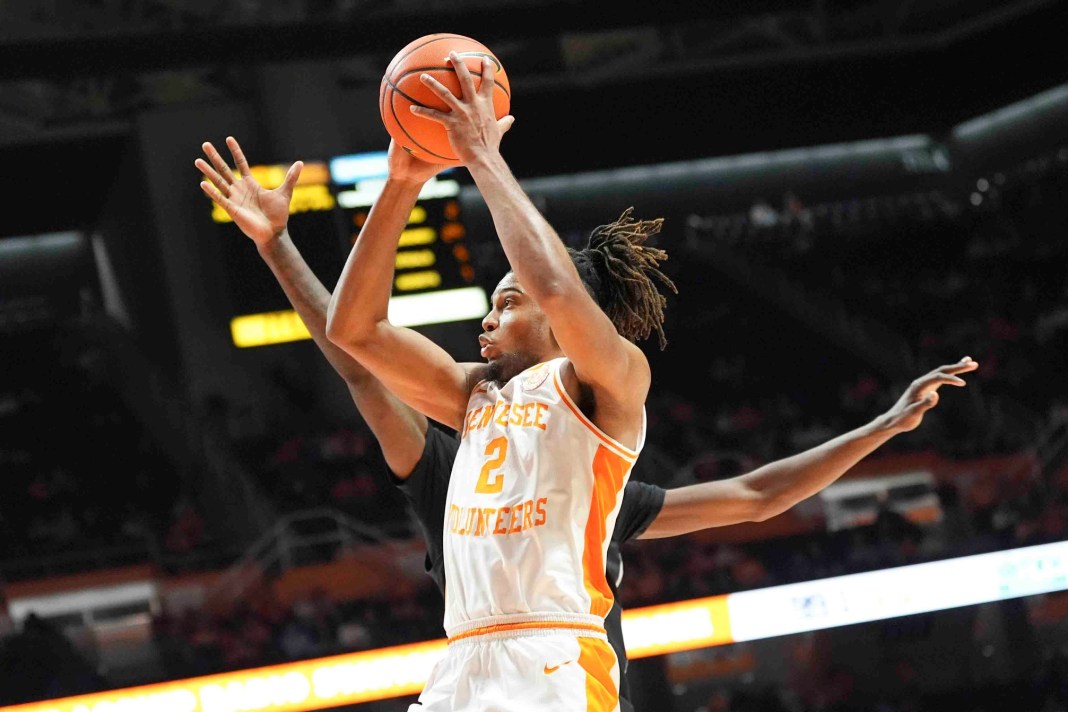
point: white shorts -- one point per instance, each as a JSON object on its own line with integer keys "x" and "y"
{"x": 535, "y": 670}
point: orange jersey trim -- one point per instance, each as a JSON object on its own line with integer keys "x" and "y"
{"x": 597, "y": 658}
{"x": 529, "y": 625}
{"x": 609, "y": 473}
{"x": 618, "y": 448}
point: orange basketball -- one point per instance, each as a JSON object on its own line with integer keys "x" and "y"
{"x": 402, "y": 87}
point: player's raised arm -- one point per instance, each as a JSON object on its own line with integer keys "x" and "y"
{"x": 604, "y": 360}
{"x": 778, "y": 486}
{"x": 413, "y": 367}
{"x": 263, "y": 215}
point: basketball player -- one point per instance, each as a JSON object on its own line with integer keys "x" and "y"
{"x": 420, "y": 456}
{"x": 550, "y": 428}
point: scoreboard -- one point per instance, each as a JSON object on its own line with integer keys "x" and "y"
{"x": 434, "y": 281}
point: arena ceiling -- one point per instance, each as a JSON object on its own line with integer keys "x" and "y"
{"x": 86, "y": 65}
{"x": 601, "y": 84}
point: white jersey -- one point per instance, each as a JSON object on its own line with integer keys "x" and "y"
{"x": 532, "y": 503}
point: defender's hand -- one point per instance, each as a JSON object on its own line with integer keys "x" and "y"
{"x": 922, "y": 395}
{"x": 261, "y": 214}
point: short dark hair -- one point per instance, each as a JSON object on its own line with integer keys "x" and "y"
{"x": 619, "y": 270}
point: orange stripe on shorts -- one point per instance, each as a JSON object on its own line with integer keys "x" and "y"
{"x": 529, "y": 625}
{"x": 597, "y": 658}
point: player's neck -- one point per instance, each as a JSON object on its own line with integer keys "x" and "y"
{"x": 549, "y": 355}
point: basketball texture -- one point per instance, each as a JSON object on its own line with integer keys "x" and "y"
{"x": 401, "y": 88}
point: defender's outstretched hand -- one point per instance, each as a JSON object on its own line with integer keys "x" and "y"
{"x": 260, "y": 213}
{"x": 922, "y": 395}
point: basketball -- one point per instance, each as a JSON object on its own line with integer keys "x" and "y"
{"x": 401, "y": 88}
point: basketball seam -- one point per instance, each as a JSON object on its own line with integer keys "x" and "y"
{"x": 446, "y": 69}
{"x": 400, "y": 59}
{"x": 393, "y": 110}
{"x": 387, "y": 81}
{"x": 407, "y": 96}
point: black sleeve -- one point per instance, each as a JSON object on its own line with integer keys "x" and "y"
{"x": 425, "y": 489}
{"x": 641, "y": 505}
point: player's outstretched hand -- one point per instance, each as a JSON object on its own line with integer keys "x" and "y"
{"x": 260, "y": 213}
{"x": 471, "y": 121}
{"x": 922, "y": 395}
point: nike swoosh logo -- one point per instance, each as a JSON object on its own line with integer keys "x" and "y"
{"x": 550, "y": 670}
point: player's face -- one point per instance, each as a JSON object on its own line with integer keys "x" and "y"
{"x": 516, "y": 332}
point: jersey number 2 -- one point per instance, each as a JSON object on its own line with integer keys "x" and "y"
{"x": 496, "y": 451}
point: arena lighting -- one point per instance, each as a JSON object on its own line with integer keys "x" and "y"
{"x": 656, "y": 630}
{"x": 268, "y": 328}
{"x": 358, "y": 167}
{"x": 367, "y": 191}
{"x": 438, "y": 307}
{"x": 367, "y": 173}
{"x": 901, "y": 591}
{"x": 446, "y": 305}
{"x": 306, "y": 198}
{"x": 1046, "y": 101}
{"x": 310, "y": 194}
{"x": 308, "y": 685}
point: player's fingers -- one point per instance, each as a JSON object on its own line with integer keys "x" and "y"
{"x": 965, "y": 365}
{"x": 218, "y": 162}
{"x": 505, "y": 123}
{"x": 467, "y": 82}
{"x": 940, "y": 379}
{"x": 442, "y": 91}
{"x": 213, "y": 193}
{"x": 292, "y": 175}
{"x": 949, "y": 370}
{"x": 212, "y": 175}
{"x": 433, "y": 114}
{"x": 488, "y": 82}
{"x": 239, "y": 156}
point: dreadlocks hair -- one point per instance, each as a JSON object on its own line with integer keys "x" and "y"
{"x": 619, "y": 269}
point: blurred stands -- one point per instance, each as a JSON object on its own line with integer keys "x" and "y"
{"x": 84, "y": 483}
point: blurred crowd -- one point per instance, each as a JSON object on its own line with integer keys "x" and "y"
{"x": 340, "y": 467}
{"x": 262, "y": 630}
{"x": 835, "y": 689}
{"x": 980, "y": 276}
{"x": 82, "y": 476}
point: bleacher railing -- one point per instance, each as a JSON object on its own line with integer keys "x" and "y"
{"x": 298, "y": 539}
